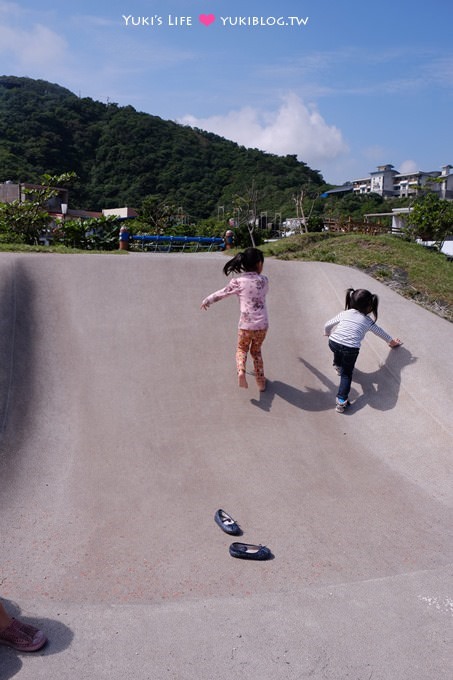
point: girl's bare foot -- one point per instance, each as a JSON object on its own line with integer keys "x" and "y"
{"x": 242, "y": 380}
{"x": 261, "y": 382}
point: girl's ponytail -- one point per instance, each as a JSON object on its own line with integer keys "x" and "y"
{"x": 374, "y": 305}
{"x": 233, "y": 265}
{"x": 347, "y": 303}
{"x": 246, "y": 261}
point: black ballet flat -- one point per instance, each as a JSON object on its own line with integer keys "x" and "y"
{"x": 227, "y": 523}
{"x": 246, "y": 551}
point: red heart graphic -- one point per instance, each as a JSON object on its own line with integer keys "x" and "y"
{"x": 207, "y": 19}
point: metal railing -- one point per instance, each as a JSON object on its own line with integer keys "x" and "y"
{"x": 180, "y": 243}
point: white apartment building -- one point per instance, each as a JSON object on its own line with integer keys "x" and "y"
{"x": 386, "y": 181}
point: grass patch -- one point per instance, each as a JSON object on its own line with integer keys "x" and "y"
{"x": 418, "y": 273}
{"x": 24, "y": 248}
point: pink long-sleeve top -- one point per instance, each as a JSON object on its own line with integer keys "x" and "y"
{"x": 251, "y": 288}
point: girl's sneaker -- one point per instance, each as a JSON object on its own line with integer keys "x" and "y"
{"x": 22, "y": 637}
{"x": 341, "y": 405}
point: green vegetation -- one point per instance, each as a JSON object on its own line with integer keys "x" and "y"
{"x": 357, "y": 205}
{"x": 431, "y": 219}
{"x": 421, "y": 274}
{"x": 177, "y": 177}
{"x": 122, "y": 156}
{"x": 24, "y": 221}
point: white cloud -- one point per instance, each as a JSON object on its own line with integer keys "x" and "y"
{"x": 10, "y": 9}
{"x": 33, "y": 47}
{"x": 294, "y": 128}
{"x": 408, "y": 166}
{"x": 439, "y": 70}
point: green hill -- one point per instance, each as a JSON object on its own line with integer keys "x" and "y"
{"x": 121, "y": 155}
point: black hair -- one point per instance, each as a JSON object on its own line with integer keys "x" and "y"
{"x": 363, "y": 301}
{"x": 246, "y": 261}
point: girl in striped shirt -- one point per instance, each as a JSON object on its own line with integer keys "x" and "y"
{"x": 346, "y": 332}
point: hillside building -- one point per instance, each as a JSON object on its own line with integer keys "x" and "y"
{"x": 388, "y": 182}
{"x": 57, "y": 206}
{"x": 23, "y": 191}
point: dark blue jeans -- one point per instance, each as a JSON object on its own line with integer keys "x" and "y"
{"x": 344, "y": 357}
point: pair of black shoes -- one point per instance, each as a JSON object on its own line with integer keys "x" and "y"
{"x": 245, "y": 551}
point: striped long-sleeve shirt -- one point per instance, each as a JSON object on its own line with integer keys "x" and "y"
{"x": 350, "y": 327}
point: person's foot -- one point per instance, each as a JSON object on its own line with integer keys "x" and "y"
{"x": 341, "y": 405}
{"x": 261, "y": 382}
{"x": 22, "y": 637}
{"x": 242, "y": 380}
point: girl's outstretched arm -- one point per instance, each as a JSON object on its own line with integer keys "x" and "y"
{"x": 231, "y": 289}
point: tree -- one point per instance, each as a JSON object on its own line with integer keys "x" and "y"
{"x": 70, "y": 233}
{"x": 23, "y": 222}
{"x": 157, "y": 214}
{"x": 26, "y": 220}
{"x": 304, "y": 207}
{"x": 245, "y": 209}
{"x": 431, "y": 219}
{"x": 95, "y": 233}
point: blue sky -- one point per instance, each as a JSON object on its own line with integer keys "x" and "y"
{"x": 345, "y": 86}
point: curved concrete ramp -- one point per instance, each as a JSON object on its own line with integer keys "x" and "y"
{"x": 122, "y": 432}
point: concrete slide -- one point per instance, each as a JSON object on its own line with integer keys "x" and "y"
{"x": 123, "y": 431}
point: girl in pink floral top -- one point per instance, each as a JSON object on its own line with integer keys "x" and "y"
{"x": 251, "y": 287}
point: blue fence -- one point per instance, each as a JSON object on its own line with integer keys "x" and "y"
{"x": 169, "y": 243}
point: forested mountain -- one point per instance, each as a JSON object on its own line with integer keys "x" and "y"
{"x": 122, "y": 156}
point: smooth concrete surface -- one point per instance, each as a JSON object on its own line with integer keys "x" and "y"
{"x": 123, "y": 431}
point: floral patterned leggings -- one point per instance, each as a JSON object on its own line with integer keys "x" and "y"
{"x": 250, "y": 340}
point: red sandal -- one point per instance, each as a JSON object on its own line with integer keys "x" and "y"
{"x": 22, "y": 637}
